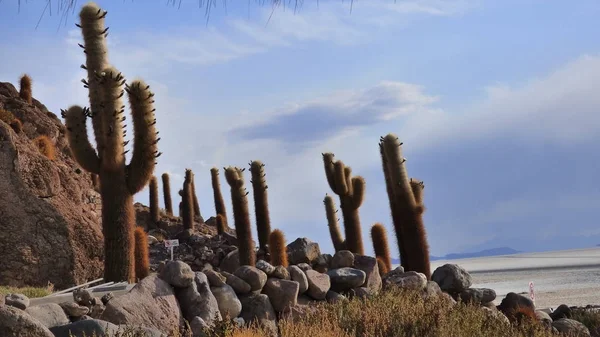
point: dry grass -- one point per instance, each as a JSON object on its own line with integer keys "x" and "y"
{"x": 6, "y": 116}
{"x": 46, "y": 147}
{"x": 31, "y": 292}
{"x": 589, "y": 318}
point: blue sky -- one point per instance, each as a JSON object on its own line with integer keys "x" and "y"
{"x": 495, "y": 101}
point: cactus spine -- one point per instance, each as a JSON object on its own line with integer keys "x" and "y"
{"x": 241, "y": 216}
{"x": 408, "y": 224}
{"x": 218, "y": 196}
{"x": 154, "y": 208}
{"x": 351, "y": 191}
{"x": 278, "y": 248}
{"x": 380, "y": 246}
{"x": 167, "y": 193}
{"x": 118, "y": 181}
{"x": 333, "y": 224}
{"x": 25, "y": 91}
{"x": 187, "y": 201}
{"x": 221, "y": 224}
{"x": 261, "y": 203}
{"x": 142, "y": 257}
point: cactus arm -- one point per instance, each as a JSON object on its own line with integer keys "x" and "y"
{"x": 340, "y": 178}
{"x": 348, "y": 176}
{"x": 330, "y": 170}
{"x": 217, "y": 195}
{"x": 79, "y": 142}
{"x": 145, "y": 148}
{"x": 112, "y": 82}
{"x": 397, "y": 169}
{"x": 333, "y": 224}
{"x": 261, "y": 203}
{"x": 358, "y": 191}
{"x": 94, "y": 38}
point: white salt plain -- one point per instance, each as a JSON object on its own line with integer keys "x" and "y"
{"x": 571, "y": 277}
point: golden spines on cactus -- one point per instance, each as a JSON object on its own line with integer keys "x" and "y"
{"x": 142, "y": 257}
{"x": 154, "y": 208}
{"x": 351, "y": 191}
{"x": 167, "y": 193}
{"x": 409, "y": 221}
{"x": 25, "y": 91}
{"x": 221, "y": 224}
{"x": 380, "y": 245}
{"x": 333, "y": 224}
{"x": 417, "y": 187}
{"x": 241, "y": 215}
{"x": 278, "y": 248}
{"x": 77, "y": 135}
{"x": 218, "y": 196}
{"x": 261, "y": 203}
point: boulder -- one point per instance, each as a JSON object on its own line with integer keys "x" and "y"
{"x": 231, "y": 262}
{"x": 571, "y": 327}
{"x": 431, "y": 290}
{"x": 342, "y": 259}
{"x": 229, "y": 304}
{"x": 283, "y": 294}
{"x": 215, "y": 279}
{"x": 452, "y": 278}
{"x": 49, "y": 314}
{"x": 17, "y": 323}
{"x": 563, "y": 311}
{"x": 73, "y": 309}
{"x": 408, "y": 280}
{"x": 83, "y": 297}
{"x": 87, "y": 328}
{"x": 240, "y": 286}
{"x": 296, "y": 274}
{"x": 281, "y": 272}
{"x": 304, "y": 266}
{"x": 303, "y": 250}
{"x": 369, "y": 265}
{"x": 477, "y": 295}
{"x": 543, "y": 317}
{"x": 199, "y": 327}
{"x": 19, "y": 301}
{"x": 333, "y": 297}
{"x": 178, "y": 274}
{"x": 45, "y": 204}
{"x": 318, "y": 284}
{"x": 265, "y": 266}
{"x": 151, "y": 303}
{"x": 513, "y": 301}
{"x": 255, "y": 277}
{"x": 321, "y": 264}
{"x": 257, "y": 308}
{"x": 198, "y": 301}
{"x": 346, "y": 278}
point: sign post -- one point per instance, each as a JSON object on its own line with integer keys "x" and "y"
{"x": 531, "y": 292}
{"x": 170, "y": 244}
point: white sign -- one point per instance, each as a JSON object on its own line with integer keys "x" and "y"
{"x": 531, "y": 292}
{"x": 170, "y": 244}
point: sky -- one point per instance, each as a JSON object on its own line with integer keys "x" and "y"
{"x": 496, "y": 102}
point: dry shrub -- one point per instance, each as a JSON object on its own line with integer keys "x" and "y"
{"x": 6, "y": 116}
{"x": 46, "y": 147}
{"x": 25, "y": 91}
{"x": 589, "y": 318}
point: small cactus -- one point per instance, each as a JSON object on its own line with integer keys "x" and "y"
{"x": 25, "y": 91}
{"x": 167, "y": 193}
{"x": 380, "y": 245}
{"x": 241, "y": 215}
{"x": 221, "y": 224}
{"x": 154, "y": 208}
{"x": 278, "y": 248}
{"x": 187, "y": 201}
{"x": 142, "y": 257}
{"x": 261, "y": 203}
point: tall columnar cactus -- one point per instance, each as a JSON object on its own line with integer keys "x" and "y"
{"x": 118, "y": 181}
{"x": 25, "y": 91}
{"x": 380, "y": 246}
{"x": 187, "y": 201}
{"x": 241, "y": 215}
{"x": 261, "y": 203}
{"x": 218, "y": 196}
{"x": 417, "y": 187}
{"x": 351, "y": 191}
{"x": 195, "y": 199}
{"x": 409, "y": 223}
{"x": 278, "y": 248}
{"x": 333, "y": 224}
{"x": 154, "y": 208}
{"x": 166, "y": 180}
{"x": 221, "y": 224}
{"x": 142, "y": 257}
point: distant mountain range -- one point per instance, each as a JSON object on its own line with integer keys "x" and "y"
{"x": 483, "y": 253}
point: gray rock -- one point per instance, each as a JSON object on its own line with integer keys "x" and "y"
{"x": 255, "y": 277}
{"x": 265, "y": 266}
{"x": 229, "y": 304}
{"x": 321, "y": 264}
{"x": 544, "y": 318}
{"x": 257, "y": 308}
{"x": 231, "y": 262}
{"x": 408, "y": 280}
{"x": 97, "y": 308}
{"x": 16, "y": 322}
{"x": 318, "y": 284}
{"x": 198, "y": 301}
{"x": 304, "y": 266}
{"x": 240, "y": 286}
{"x": 199, "y": 327}
{"x": 283, "y": 294}
{"x": 178, "y": 274}
{"x": 452, "y": 278}
{"x": 360, "y": 292}
{"x": 369, "y": 265}
{"x": 281, "y": 272}
{"x": 296, "y": 274}
{"x": 432, "y": 290}
{"x": 215, "y": 279}
{"x": 477, "y": 295}
{"x": 86, "y": 328}
{"x": 73, "y": 309}
{"x": 49, "y": 314}
{"x": 571, "y": 327}
{"x": 346, "y": 278}
{"x": 83, "y": 297}
{"x": 342, "y": 259}
{"x": 333, "y": 297}
{"x": 19, "y": 301}
{"x": 107, "y": 297}
{"x": 563, "y": 311}
{"x": 513, "y": 301}
{"x": 150, "y": 303}
{"x": 303, "y": 250}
